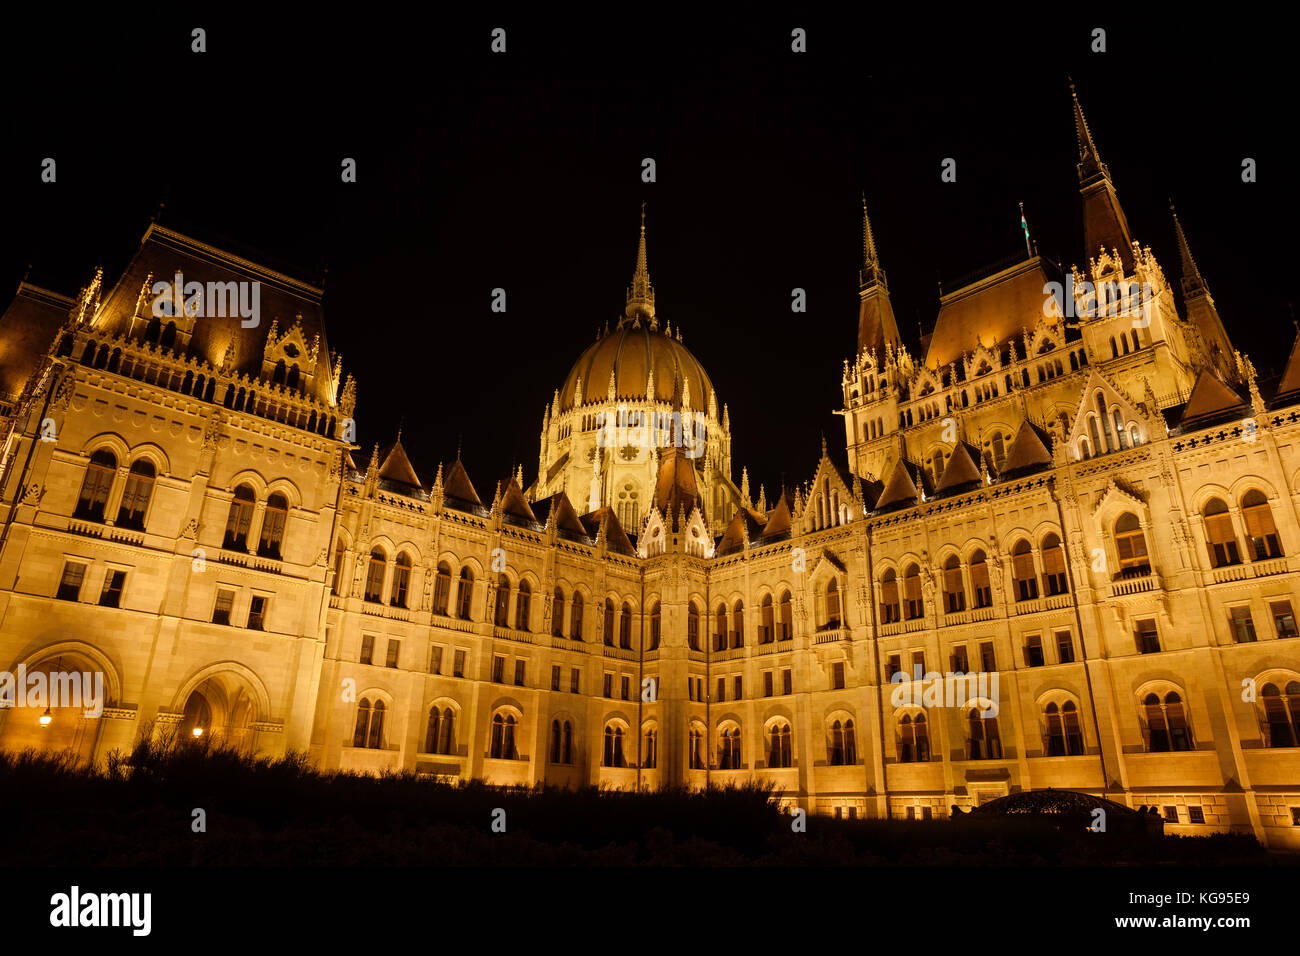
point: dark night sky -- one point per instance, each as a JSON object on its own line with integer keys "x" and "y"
{"x": 523, "y": 171}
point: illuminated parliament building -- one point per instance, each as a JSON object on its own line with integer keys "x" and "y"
{"x": 1089, "y": 495}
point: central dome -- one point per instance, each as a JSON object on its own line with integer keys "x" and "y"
{"x": 630, "y": 352}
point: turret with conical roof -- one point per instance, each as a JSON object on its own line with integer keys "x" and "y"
{"x": 1104, "y": 223}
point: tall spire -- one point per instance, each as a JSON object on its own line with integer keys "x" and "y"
{"x": 1193, "y": 283}
{"x": 1104, "y": 224}
{"x": 876, "y": 325}
{"x": 1200, "y": 308}
{"x": 641, "y": 293}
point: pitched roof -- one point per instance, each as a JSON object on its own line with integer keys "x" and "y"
{"x": 560, "y": 509}
{"x": 27, "y": 330}
{"x": 1029, "y": 449}
{"x": 457, "y": 486}
{"x": 744, "y": 521}
{"x": 961, "y": 469}
{"x": 903, "y": 485}
{"x": 778, "y": 519}
{"x": 513, "y": 503}
{"x": 1210, "y": 397}
{"x": 396, "y": 466}
{"x": 1290, "y": 381}
{"x": 675, "y": 486}
{"x": 989, "y": 311}
{"x": 616, "y": 538}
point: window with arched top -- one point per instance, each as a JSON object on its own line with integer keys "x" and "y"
{"x": 913, "y": 607}
{"x": 729, "y": 748}
{"x": 340, "y": 555}
{"x": 613, "y": 755}
{"x": 441, "y": 588}
{"x": 239, "y": 519}
{"x": 1062, "y": 733}
{"x": 464, "y": 593}
{"x": 738, "y": 625}
{"x": 833, "y": 618}
{"x": 369, "y": 730}
{"x": 575, "y": 618}
{"x": 842, "y": 746}
{"x": 981, "y": 589}
{"x": 954, "y": 591}
{"x": 557, "y": 614}
{"x": 561, "y": 742}
{"x": 440, "y": 734}
{"x": 501, "y": 617}
{"x": 650, "y": 749}
{"x": 778, "y": 750}
{"x": 786, "y": 632}
{"x": 136, "y": 495}
{"x": 375, "y": 575}
{"x": 95, "y": 487}
{"x": 983, "y": 741}
{"x": 1054, "y": 581}
{"x": 397, "y": 595}
{"x": 502, "y": 741}
{"x": 608, "y": 629}
{"x": 693, "y": 627}
{"x": 523, "y": 607}
{"x": 720, "y": 634}
{"x": 1165, "y": 721}
{"x": 913, "y": 739}
{"x": 1281, "y": 714}
{"x": 889, "y": 607}
{"x": 766, "y": 621}
{"x": 625, "y": 627}
{"x": 1220, "y": 537}
{"x": 1261, "y": 532}
{"x": 695, "y": 748}
{"x": 656, "y": 625}
{"x": 1131, "y": 546}
{"x": 1022, "y": 566}
{"x": 274, "y": 519}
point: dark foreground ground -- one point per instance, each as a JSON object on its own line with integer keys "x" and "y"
{"x": 139, "y": 812}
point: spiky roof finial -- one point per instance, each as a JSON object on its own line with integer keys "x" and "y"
{"x": 641, "y": 293}
{"x": 871, "y": 270}
{"x": 1193, "y": 282}
{"x": 1090, "y": 163}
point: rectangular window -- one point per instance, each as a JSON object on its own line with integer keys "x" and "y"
{"x": 737, "y": 688}
{"x": 853, "y": 813}
{"x": 435, "y": 660}
{"x": 1295, "y": 816}
{"x": 722, "y": 689}
{"x": 555, "y": 677}
{"x": 394, "y": 647}
{"x": 367, "y": 645}
{"x": 626, "y": 687}
{"x": 1065, "y": 647}
{"x": 1148, "y": 638}
{"x": 1243, "y": 626}
{"x": 609, "y": 685}
{"x": 787, "y": 681}
{"x": 70, "y": 584}
{"x": 895, "y": 665}
{"x": 911, "y": 813}
{"x": 498, "y": 669}
{"x": 988, "y": 659}
{"x": 767, "y": 683}
{"x": 574, "y": 681}
{"x": 1034, "y": 651}
{"x": 927, "y": 813}
{"x": 1171, "y": 814}
{"x": 225, "y": 601}
{"x": 519, "y": 673}
{"x": 960, "y": 662}
{"x": 918, "y": 660}
{"x": 699, "y": 688}
{"x": 111, "y": 596}
{"x": 1195, "y": 815}
{"x": 690, "y": 688}
{"x": 837, "y": 675}
{"x": 1283, "y": 618}
{"x": 257, "y": 613}
{"x": 458, "y": 665}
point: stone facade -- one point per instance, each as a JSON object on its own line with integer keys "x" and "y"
{"x": 1094, "y": 502}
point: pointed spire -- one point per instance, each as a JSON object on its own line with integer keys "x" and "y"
{"x": 641, "y": 293}
{"x": 437, "y": 481}
{"x": 1193, "y": 283}
{"x": 1090, "y": 163}
{"x": 762, "y": 499}
{"x": 871, "y": 272}
{"x": 1104, "y": 224}
{"x": 744, "y": 486}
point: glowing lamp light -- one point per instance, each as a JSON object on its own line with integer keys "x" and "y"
{"x": 198, "y": 731}
{"x": 46, "y": 719}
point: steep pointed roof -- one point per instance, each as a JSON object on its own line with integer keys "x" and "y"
{"x": 27, "y": 330}
{"x": 876, "y": 323}
{"x": 1199, "y": 304}
{"x": 1290, "y": 381}
{"x": 904, "y": 485}
{"x": 961, "y": 469}
{"x": 514, "y": 504}
{"x": 616, "y": 538}
{"x": 457, "y": 487}
{"x": 675, "y": 486}
{"x": 778, "y": 519}
{"x": 640, "y": 294}
{"x": 1210, "y": 399}
{"x": 746, "y": 521}
{"x": 396, "y": 466}
{"x": 559, "y": 510}
{"x": 1104, "y": 223}
{"x": 1030, "y": 449}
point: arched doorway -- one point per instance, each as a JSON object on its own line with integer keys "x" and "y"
{"x": 222, "y": 710}
{"x": 50, "y": 708}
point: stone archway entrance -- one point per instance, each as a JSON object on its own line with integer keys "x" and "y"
{"x": 49, "y": 712}
{"x": 221, "y": 710}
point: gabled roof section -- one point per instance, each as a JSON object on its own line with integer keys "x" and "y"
{"x": 616, "y": 538}
{"x": 675, "y": 487}
{"x": 1290, "y": 381}
{"x": 514, "y": 504}
{"x": 961, "y": 469}
{"x": 1030, "y": 449}
{"x": 1112, "y": 397}
{"x": 1210, "y": 399}
{"x": 778, "y": 519}
{"x": 745, "y": 522}
{"x": 458, "y": 489}
{"x": 27, "y": 330}
{"x": 904, "y": 485}
{"x": 557, "y": 509}
{"x": 990, "y": 311}
{"x": 397, "y": 466}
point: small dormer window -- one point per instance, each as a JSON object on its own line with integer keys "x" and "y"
{"x": 291, "y": 350}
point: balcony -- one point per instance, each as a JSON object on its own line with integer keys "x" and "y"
{"x": 242, "y": 559}
{"x": 968, "y": 616}
{"x": 903, "y": 627}
{"x": 1053, "y": 602}
{"x": 376, "y": 609}
{"x": 1134, "y": 584}
{"x": 1255, "y": 569}
{"x": 832, "y": 635}
{"x": 511, "y": 634}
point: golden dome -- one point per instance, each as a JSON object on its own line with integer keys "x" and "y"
{"x": 629, "y": 352}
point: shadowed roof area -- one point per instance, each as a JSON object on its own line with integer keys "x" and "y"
{"x": 990, "y": 311}
{"x": 27, "y": 331}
